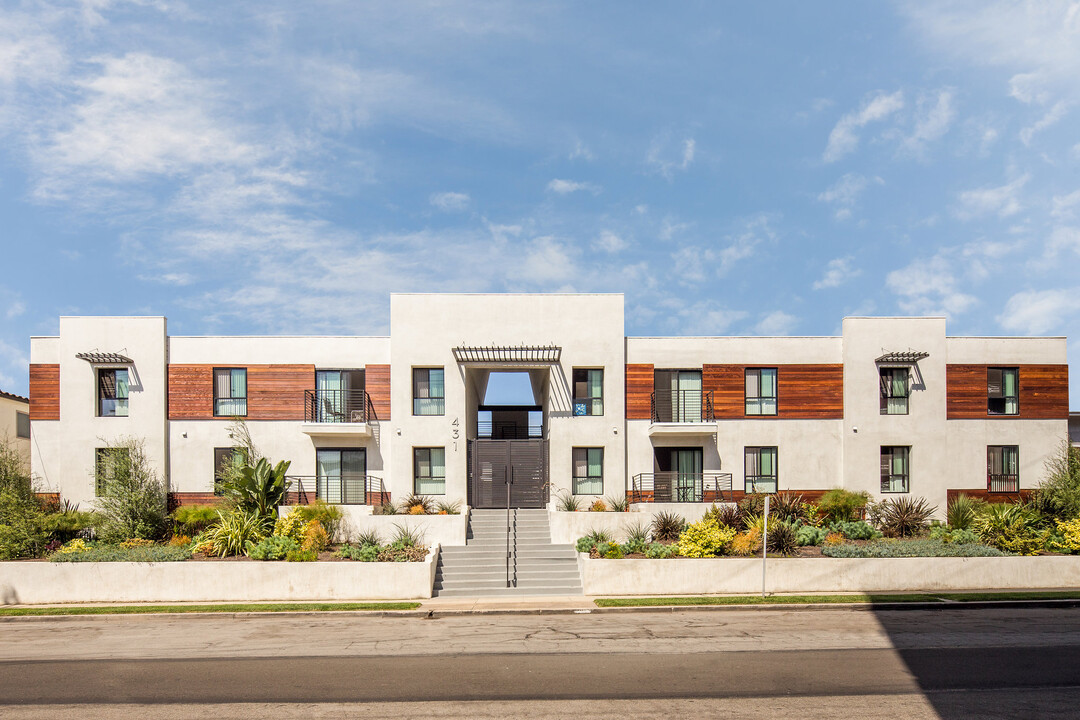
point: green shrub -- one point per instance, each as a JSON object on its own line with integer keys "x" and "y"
{"x": 366, "y": 552}
{"x": 1059, "y": 493}
{"x": 259, "y": 489}
{"x": 301, "y": 556}
{"x": 290, "y": 525}
{"x": 962, "y": 511}
{"x": 910, "y": 548}
{"x": 587, "y": 543}
{"x": 193, "y": 519}
{"x": 232, "y": 533}
{"x": 810, "y": 535}
{"x": 752, "y": 504}
{"x": 657, "y": 551}
{"x": 617, "y": 504}
{"x": 368, "y": 537}
{"x": 274, "y": 547}
{"x": 21, "y": 525}
{"x": 667, "y": 527}
{"x": 634, "y": 545}
{"x": 329, "y": 516}
{"x": 609, "y": 550}
{"x": 959, "y": 536}
{"x": 1012, "y": 528}
{"x": 839, "y": 505}
{"x": 856, "y": 530}
{"x": 705, "y": 538}
{"x": 132, "y": 504}
{"x": 569, "y": 503}
{"x": 102, "y": 552}
{"x": 905, "y": 516}
{"x": 407, "y": 537}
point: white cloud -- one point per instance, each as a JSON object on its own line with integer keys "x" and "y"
{"x": 668, "y": 157}
{"x": 450, "y": 201}
{"x": 1062, "y": 205}
{"x": 701, "y": 318}
{"x": 1002, "y": 201}
{"x": 581, "y": 150}
{"x": 934, "y": 115}
{"x": 837, "y": 272}
{"x": 609, "y": 242}
{"x": 929, "y": 287}
{"x": 564, "y": 187}
{"x": 844, "y": 193}
{"x": 844, "y": 139}
{"x": 776, "y": 323}
{"x": 1051, "y": 118}
{"x": 743, "y": 245}
{"x": 1036, "y": 312}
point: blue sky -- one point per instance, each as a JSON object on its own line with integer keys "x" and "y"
{"x": 751, "y": 168}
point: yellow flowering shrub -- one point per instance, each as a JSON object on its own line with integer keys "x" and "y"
{"x": 705, "y": 538}
{"x": 75, "y": 546}
{"x": 1070, "y": 533}
{"x": 315, "y": 538}
{"x": 290, "y": 526}
{"x": 136, "y": 542}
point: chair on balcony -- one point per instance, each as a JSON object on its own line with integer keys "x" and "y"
{"x": 330, "y": 414}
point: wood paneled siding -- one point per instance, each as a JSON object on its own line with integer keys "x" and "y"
{"x": 639, "y": 388}
{"x": 377, "y": 385}
{"x": 274, "y": 392}
{"x": 1044, "y": 392}
{"x": 44, "y": 392}
{"x": 803, "y": 392}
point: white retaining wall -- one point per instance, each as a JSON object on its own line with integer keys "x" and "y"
{"x": 32, "y": 583}
{"x": 437, "y": 529}
{"x": 742, "y": 576}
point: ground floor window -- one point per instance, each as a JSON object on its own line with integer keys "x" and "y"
{"x": 429, "y": 471}
{"x": 894, "y": 468}
{"x": 225, "y": 458}
{"x": 760, "y": 470}
{"x": 109, "y": 464}
{"x": 588, "y": 471}
{"x": 341, "y": 475}
{"x": 1003, "y": 468}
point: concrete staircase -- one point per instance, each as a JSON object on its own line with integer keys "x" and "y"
{"x": 536, "y": 565}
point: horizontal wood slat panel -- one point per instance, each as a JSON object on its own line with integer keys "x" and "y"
{"x": 44, "y": 392}
{"x": 808, "y": 392}
{"x": 275, "y": 392}
{"x": 1044, "y": 392}
{"x": 984, "y": 494}
{"x": 639, "y": 387}
{"x": 377, "y": 384}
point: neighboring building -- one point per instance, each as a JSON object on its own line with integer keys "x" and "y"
{"x": 892, "y": 406}
{"x": 15, "y": 423}
{"x": 1074, "y": 429}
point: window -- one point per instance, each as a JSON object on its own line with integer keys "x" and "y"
{"x": 112, "y": 393}
{"x": 429, "y": 471}
{"x": 894, "y": 469}
{"x": 223, "y": 459}
{"x": 894, "y": 390}
{"x": 108, "y": 464}
{"x": 341, "y": 476}
{"x": 1002, "y": 391}
{"x": 588, "y": 392}
{"x": 761, "y": 391}
{"x": 677, "y": 396}
{"x": 339, "y": 396}
{"x": 1003, "y": 468}
{"x": 759, "y": 470}
{"x": 588, "y": 471}
{"x": 230, "y": 392}
{"x": 429, "y": 396}
{"x": 22, "y": 425}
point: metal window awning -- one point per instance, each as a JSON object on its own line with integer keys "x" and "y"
{"x": 906, "y": 357}
{"x": 105, "y": 358}
{"x": 509, "y": 355}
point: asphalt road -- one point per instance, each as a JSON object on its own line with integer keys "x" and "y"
{"x": 941, "y": 663}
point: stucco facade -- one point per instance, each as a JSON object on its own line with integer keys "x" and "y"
{"x": 824, "y": 422}
{"x": 15, "y": 423}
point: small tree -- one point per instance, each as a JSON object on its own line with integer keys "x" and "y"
{"x": 132, "y": 500}
{"x": 260, "y": 489}
{"x": 1059, "y": 493}
{"x": 21, "y": 518}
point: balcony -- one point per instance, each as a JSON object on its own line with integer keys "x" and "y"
{"x": 1003, "y": 483}
{"x": 682, "y": 412}
{"x": 345, "y": 489}
{"x": 680, "y": 487}
{"x": 337, "y": 412}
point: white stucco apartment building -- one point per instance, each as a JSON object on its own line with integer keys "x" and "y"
{"x": 891, "y": 406}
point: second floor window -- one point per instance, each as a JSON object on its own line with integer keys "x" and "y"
{"x": 429, "y": 394}
{"x": 588, "y": 392}
{"x": 588, "y": 471}
{"x": 429, "y": 471}
{"x": 230, "y": 392}
{"x": 894, "y": 468}
{"x": 894, "y": 390}
{"x": 1003, "y": 468}
{"x": 112, "y": 393}
{"x": 761, "y": 391}
{"x": 1002, "y": 391}
{"x": 759, "y": 468}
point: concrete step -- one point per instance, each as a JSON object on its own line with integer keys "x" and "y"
{"x": 498, "y": 555}
{"x": 497, "y": 578}
{"x": 494, "y": 547}
{"x": 508, "y": 592}
{"x": 564, "y": 566}
{"x": 478, "y": 586}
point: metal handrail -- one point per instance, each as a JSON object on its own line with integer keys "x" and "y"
{"x": 346, "y": 489}
{"x": 509, "y": 481}
{"x": 1003, "y": 482}
{"x": 673, "y": 486}
{"x": 337, "y": 406}
{"x": 682, "y": 406}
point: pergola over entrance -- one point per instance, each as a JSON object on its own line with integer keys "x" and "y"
{"x": 508, "y": 354}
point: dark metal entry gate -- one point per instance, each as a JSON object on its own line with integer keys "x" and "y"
{"x": 493, "y": 462}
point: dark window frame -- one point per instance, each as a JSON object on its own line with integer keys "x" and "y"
{"x": 756, "y": 449}
{"x": 1003, "y": 477}
{"x": 417, "y": 477}
{"x": 417, "y": 397}
{"x": 576, "y": 479}
{"x": 103, "y": 393}
{"x": 885, "y": 389}
{"x": 234, "y": 452}
{"x": 100, "y": 459}
{"x": 775, "y": 397}
{"x": 992, "y": 400}
{"x": 888, "y": 478}
{"x": 233, "y": 397}
{"x": 588, "y": 402}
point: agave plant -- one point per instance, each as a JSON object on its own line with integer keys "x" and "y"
{"x": 616, "y": 504}
{"x": 667, "y": 526}
{"x": 569, "y": 503}
{"x": 637, "y": 533}
{"x": 906, "y": 517}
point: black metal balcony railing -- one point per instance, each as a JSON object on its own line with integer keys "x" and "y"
{"x": 1003, "y": 483}
{"x": 663, "y": 487}
{"x": 760, "y": 483}
{"x": 690, "y": 406}
{"x": 337, "y": 406}
{"x": 344, "y": 489}
{"x": 508, "y": 430}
